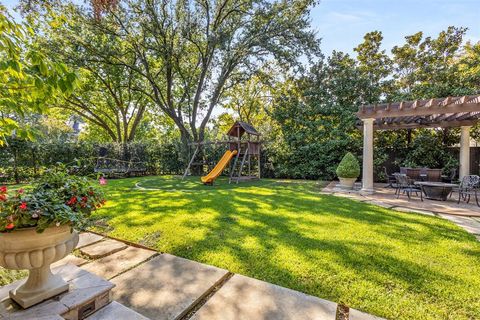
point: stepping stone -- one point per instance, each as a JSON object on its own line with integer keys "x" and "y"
{"x": 87, "y": 238}
{"x": 114, "y": 264}
{"x": 166, "y": 287}
{"x": 358, "y": 315}
{"x": 467, "y": 223}
{"x": 116, "y": 311}
{"x": 71, "y": 259}
{"x": 246, "y": 298}
{"x": 103, "y": 248}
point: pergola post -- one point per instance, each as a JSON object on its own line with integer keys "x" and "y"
{"x": 367, "y": 173}
{"x": 464, "y": 152}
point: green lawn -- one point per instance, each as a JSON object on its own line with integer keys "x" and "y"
{"x": 391, "y": 264}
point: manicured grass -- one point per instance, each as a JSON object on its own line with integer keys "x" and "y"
{"x": 391, "y": 264}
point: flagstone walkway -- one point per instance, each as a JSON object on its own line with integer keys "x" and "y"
{"x": 162, "y": 286}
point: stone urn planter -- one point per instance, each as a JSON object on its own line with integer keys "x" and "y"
{"x": 347, "y": 183}
{"x": 27, "y": 249}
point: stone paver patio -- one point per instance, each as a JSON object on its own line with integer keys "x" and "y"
{"x": 464, "y": 215}
{"x": 153, "y": 285}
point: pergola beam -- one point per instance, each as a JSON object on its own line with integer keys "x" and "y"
{"x": 415, "y": 125}
{"x": 420, "y": 111}
{"x": 421, "y": 107}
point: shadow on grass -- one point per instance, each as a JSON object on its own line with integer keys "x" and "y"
{"x": 392, "y": 264}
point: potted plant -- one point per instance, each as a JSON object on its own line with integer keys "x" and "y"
{"x": 348, "y": 171}
{"x": 37, "y": 228}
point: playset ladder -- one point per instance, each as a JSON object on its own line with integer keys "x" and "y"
{"x": 191, "y": 161}
{"x": 241, "y": 165}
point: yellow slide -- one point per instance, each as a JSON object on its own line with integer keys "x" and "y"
{"x": 212, "y": 175}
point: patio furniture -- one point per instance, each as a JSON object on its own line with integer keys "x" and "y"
{"x": 435, "y": 190}
{"x": 389, "y": 178}
{"x": 451, "y": 177}
{"x": 468, "y": 187}
{"x": 414, "y": 173}
{"x": 434, "y": 175}
{"x": 423, "y": 174}
{"x": 404, "y": 185}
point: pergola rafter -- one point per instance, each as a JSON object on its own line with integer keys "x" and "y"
{"x": 447, "y": 112}
{"x": 428, "y": 113}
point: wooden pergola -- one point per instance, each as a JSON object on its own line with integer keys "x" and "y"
{"x": 462, "y": 112}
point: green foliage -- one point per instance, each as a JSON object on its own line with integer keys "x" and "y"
{"x": 316, "y": 119}
{"x": 424, "y": 151}
{"x": 57, "y": 198}
{"x": 178, "y": 59}
{"x": 316, "y": 112}
{"x": 29, "y": 80}
{"x": 348, "y": 167}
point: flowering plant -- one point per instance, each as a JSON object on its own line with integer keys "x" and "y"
{"x": 57, "y": 198}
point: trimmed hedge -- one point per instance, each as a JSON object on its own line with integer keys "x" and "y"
{"x": 348, "y": 167}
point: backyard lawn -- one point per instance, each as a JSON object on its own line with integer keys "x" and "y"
{"x": 391, "y": 264}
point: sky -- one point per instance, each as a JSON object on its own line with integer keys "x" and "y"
{"x": 342, "y": 23}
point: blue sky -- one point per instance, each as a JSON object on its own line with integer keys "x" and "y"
{"x": 342, "y": 23}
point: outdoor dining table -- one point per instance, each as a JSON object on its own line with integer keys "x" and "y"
{"x": 435, "y": 190}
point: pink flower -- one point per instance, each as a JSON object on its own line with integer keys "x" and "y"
{"x": 23, "y": 206}
{"x": 102, "y": 181}
{"x": 3, "y": 197}
{"x": 20, "y": 191}
{"x": 10, "y": 226}
{"x": 3, "y": 189}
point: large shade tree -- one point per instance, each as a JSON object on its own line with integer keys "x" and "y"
{"x": 110, "y": 96}
{"x": 188, "y": 53}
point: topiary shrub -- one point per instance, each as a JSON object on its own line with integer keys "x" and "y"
{"x": 348, "y": 167}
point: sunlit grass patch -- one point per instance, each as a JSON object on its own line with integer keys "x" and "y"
{"x": 395, "y": 265}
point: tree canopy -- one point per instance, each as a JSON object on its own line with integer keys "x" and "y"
{"x": 29, "y": 80}
{"x": 188, "y": 53}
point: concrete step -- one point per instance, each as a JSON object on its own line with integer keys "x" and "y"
{"x": 103, "y": 248}
{"x": 116, "y": 311}
{"x": 87, "y": 292}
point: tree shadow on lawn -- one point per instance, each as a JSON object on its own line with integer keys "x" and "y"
{"x": 378, "y": 266}
{"x": 301, "y": 241}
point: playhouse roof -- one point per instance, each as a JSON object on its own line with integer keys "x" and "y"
{"x": 240, "y": 127}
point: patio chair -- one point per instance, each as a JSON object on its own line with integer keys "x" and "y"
{"x": 434, "y": 175}
{"x": 389, "y": 178}
{"x": 405, "y": 185}
{"x": 451, "y": 177}
{"x": 468, "y": 187}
